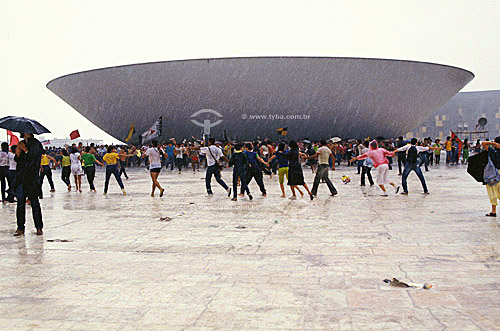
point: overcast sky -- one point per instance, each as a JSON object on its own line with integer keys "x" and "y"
{"x": 42, "y": 40}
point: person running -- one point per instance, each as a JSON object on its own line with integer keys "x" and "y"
{"x": 76, "y": 168}
{"x": 65, "y": 168}
{"x": 239, "y": 161}
{"x": 154, "y": 156}
{"x": 45, "y": 170}
{"x": 213, "y": 155}
{"x": 412, "y": 164}
{"x": 111, "y": 159}
{"x": 123, "y": 155}
{"x": 28, "y": 157}
{"x": 89, "y": 162}
{"x": 295, "y": 175}
{"x": 4, "y": 169}
{"x": 282, "y": 159}
{"x": 323, "y": 155}
{"x": 381, "y": 163}
{"x": 366, "y": 170}
{"x": 254, "y": 170}
{"x": 11, "y": 175}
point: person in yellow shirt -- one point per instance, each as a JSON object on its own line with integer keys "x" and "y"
{"x": 447, "y": 146}
{"x": 111, "y": 159}
{"x": 45, "y": 169}
{"x": 65, "y": 168}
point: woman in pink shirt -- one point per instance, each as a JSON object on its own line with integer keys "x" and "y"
{"x": 381, "y": 163}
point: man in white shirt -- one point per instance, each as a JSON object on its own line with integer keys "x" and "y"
{"x": 412, "y": 164}
{"x": 323, "y": 154}
{"x": 213, "y": 155}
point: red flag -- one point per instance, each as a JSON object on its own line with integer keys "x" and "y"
{"x": 74, "y": 134}
{"x": 454, "y": 136}
{"x": 14, "y": 140}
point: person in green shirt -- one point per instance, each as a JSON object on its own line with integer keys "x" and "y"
{"x": 89, "y": 162}
{"x": 437, "y": 151}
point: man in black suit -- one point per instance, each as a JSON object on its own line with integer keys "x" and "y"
{"x": 28, "y": 157}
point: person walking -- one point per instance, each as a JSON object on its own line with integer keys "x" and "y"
{"x": 76, "y": 168}
{"x": 194, "y": 157}
{"x": 179, "y": 157}
{"x": 169, "y": 150}
{"x": 447, "y": 146}
{"x": 381, "y": 163}
{"x": 323, "y": 155}
{"x": 239, "y": 162}
{"x": 11, "y": 175}
{"x": 254, "y": 170}
{"x": 89, "y": 162}
{"x": 366, "y": 170}
{"x": 422, "y": 156}
{"x": 437, "y": 150}
{"x": 213, "y": 155}
{"x": 65, "y": 168}
{"x": 281, "y": 157}
{"x": 154, "y": 156}
{"x": 28, "y": 158}
{"x": 465, "y": 151}
{"x": 295, "y": 174}
{"x": 123, "y": 155}
{"x": 401, "y": 155}
{"x": 46, "y": 171}
{"x": 4, "y": 169}
{"x": 111, "y": 159}
{"x": 493, "y": 148}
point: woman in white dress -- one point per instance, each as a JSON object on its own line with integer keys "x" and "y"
{"x": 76, "y": 168}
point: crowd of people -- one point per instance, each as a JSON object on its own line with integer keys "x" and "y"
{"x": 24, "y": 167}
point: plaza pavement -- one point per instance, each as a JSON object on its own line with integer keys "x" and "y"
{"x": 265, "y": 264}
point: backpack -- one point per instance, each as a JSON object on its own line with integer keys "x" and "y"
{"x": 412, "y": 155}
{"x": 491, "y": 175}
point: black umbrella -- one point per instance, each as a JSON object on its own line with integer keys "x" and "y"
{"x": 476, "y": 165}
{"x": 22, "y": 124}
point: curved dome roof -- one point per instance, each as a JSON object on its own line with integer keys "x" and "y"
{"x": 347, "y": 97}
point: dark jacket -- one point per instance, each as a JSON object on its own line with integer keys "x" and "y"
{"x": 239, "y": 160}
{"x": 28, "y": 166}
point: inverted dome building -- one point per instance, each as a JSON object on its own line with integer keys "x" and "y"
{"x": 315, "y": 97}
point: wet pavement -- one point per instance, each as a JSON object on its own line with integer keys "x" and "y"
{"x": 188, "y": 261}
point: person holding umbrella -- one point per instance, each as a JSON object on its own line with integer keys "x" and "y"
{"x": 28, "y": 158}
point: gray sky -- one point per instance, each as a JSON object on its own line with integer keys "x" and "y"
{"x": 42, "y": 40}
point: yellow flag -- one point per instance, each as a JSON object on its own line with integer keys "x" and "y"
{"x": 130, "y": 132}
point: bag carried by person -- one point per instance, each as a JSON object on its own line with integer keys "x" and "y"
{"x": 217, "y": 164}
{"x": 491, "y": 175}
{"x": 412, "y": 156}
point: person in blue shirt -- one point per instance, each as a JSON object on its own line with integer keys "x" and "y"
{"x": 169, "y": 150}
{"x": 239, "y": 161}
{"x": 254, "y": 169}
